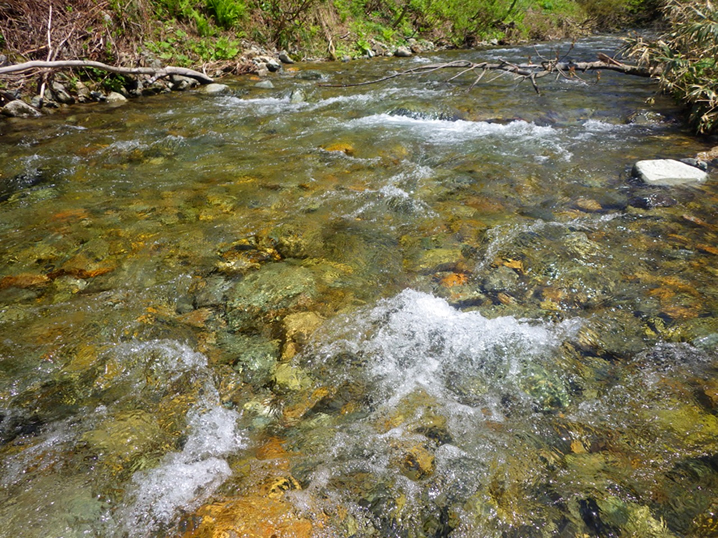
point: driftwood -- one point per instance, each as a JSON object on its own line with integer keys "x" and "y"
{"x": 524, "y": 71}
{"x": 154, "y": 73}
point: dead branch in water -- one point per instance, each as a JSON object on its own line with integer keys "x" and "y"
{"x": 154, "y": 73}
{"x": 524, "y": 71}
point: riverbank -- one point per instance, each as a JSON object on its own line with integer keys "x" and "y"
{"x": 220, "y": 37}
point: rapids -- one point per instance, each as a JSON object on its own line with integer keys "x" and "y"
{"x": 405, "y": 309}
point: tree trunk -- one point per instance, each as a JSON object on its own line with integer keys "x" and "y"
{"x": 155, "y": 73}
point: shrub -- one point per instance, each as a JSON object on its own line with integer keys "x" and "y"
{"x": 686, "y": 55}
{"x": 227, "y": 12}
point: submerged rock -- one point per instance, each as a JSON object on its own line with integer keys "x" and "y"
{"x": 310, "y": 74}
{"x": 297, "y": 96}
{"x": 273, "y": 290}
{"x": 667, "y": 172}
{"x": 653, "y": 200}
{"x": 254, "y": 515}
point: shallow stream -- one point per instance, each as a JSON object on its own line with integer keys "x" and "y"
{"x": 404, "y": 309}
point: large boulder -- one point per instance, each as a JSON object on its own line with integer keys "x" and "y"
{"x": 667, "y": 172}
{"x": 20, "y": 109}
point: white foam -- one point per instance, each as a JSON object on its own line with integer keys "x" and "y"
{"x": 417, "y": 341}
{"x": 185, "y": 479}
{"x": 444, "y": 132}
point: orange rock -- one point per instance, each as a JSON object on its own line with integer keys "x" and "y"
{"x": 700, "y": 222}
{"x": 514, "y": 264}
{"x": 708, "y": 248}
{"x": 272, "y": 449}
{"x": 587, "y": 204}
{"x": 71, "y": 214}
{"x": 553, "y": 294}
{"x": 454, "y": 279}
{"x": 505, "y": 298}
{"x": 297, "y": 411}
{"x": 348, "y": 149}
{"x": 196, "y": 318}
{"x": 680, "y": 312}
{"x": 250, "y": 517}
{"x": 485, "y": 205}
{"x": 25, "y": 280}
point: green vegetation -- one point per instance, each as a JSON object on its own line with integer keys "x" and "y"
{"x": 196, "y": 31}
{"x": 687, "y": 54}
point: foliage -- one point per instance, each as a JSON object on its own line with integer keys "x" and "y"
{"x": 687, "y": 54}
{"x": 227, "y": 12}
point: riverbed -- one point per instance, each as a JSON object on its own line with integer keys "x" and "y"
{"x": 411, "y": 309}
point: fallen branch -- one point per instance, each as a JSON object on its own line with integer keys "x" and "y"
{"x": 529, "y": 71}
{"x": 154, "y": 73}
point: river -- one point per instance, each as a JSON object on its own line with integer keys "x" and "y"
{"x": 409, "y": 309}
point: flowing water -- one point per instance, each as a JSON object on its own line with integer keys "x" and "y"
{"x": 403, "y": 309}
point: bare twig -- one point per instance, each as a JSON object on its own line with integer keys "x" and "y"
{"x": 157, "y": 73}
{"x": 527, "y": 71}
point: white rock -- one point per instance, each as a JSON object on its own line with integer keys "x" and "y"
{"x": 667, "y": 172}
{"x": 215, "y": 89}
{"x": 116, "y": 98}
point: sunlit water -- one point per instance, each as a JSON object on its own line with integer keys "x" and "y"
{"x": 405, "y": 309}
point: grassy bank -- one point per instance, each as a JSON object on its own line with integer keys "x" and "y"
{"x": 195, "y": 32}
{"x": 229, "y": 36}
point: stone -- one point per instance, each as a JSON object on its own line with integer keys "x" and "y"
{"x": 284, "y": 58}
{"x": 653, "y": 200}
{"x": 340, "y": 147}
{"x": 435, "y": 260}
{"x": 298, "y": 328}
{"x": 215, "y": 89}
{"x": 115, "y": 98}
{"x": 274, "y": 289}
{"x": 253, "y": 515}
{"x": 291, "y": 378}
{"x": 265, "y": 85}
{"x": 698, "y": 163}
{"x": 417, "y": 463}
{"x": 24, "y": 280}
{"x": 667, "y": 172}
{"x": 20, "y": 109}
{"x": 710, "y": 156}
{"x": 403, "y": 52}
{"x": 297, "y": 96}
{"x": 180, "y": 83}
{"x": 61, "y": 94}
{"x": 309, "y": 74}
{"x": 273, "y": 65}
{"x": 83, "y": 93}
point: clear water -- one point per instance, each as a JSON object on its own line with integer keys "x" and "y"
{"x": 393, "y": 310}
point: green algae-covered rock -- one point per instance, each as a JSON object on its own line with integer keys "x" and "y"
{"x": 272, "y": 291}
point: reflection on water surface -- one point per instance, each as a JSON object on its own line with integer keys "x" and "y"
{"x": 395, "y": 310}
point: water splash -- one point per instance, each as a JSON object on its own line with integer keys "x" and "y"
{"x": 184, "y": 479}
